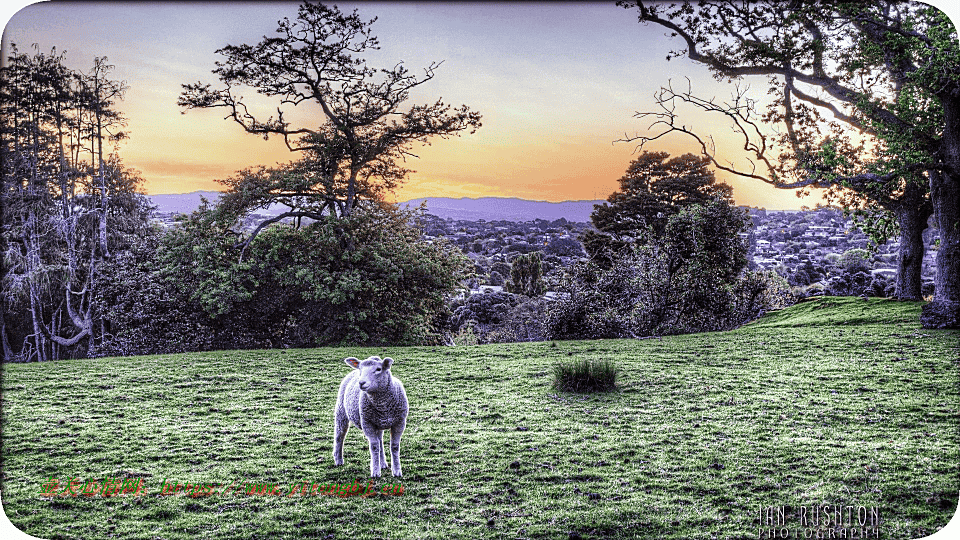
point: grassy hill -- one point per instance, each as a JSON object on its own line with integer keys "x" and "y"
{"x": 834, "y": 402}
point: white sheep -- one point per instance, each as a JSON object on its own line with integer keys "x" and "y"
{"x": 372, "y": 399}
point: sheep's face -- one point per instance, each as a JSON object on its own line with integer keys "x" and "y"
{"x": 374, "y": 373}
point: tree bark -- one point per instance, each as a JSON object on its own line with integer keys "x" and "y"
{"x": 7, "y": 350}
{"x": 912, "y": 213}
{"x": 944, "y": 310}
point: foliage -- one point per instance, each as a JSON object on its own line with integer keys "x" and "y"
{"x": 69, "y": 205}
{"x": 653, "y": 189}
{"x": 526, "y": 275}
{"x": 866, "y": 104}
{"x": 147, "y": 311}
{"x": 682, "y": 281}
{"x": 756, "y": 293}
{"x": 365, "y": 278}
{"x": 855, "y": 260}
{"x": 848, "y": 283}
{"x": 585, "y": 376}
{"x": 524, "y": 322}
{"x": 499, "y": 317}
{"x": 564, "y": 247}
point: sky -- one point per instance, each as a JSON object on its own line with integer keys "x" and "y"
{"x": 557, "y": 84}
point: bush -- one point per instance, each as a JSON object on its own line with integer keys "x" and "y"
{"x": 855, "y": 260}
{"x": 524, "y": 322}
{"x": 683, "y": 280}
{"x": 498, "y": 317}
{"x": 755, "y": 293}
{"x": 849, "y": 284}
{"x": 366, "y": 279}
{"x": 878, "y": 286}
{"x": 585, "y": 376}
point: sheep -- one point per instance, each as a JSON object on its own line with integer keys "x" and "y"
{"x": 372, "y": 399}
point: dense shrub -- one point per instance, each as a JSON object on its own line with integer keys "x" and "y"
{"x": 498, "y": 317}
{"x": 849, "y": 283}
{"x": 687, "y": 279}
{"x": 758, "y": 292}
{"x": 524, "y": 322}
{"x": 364, "y": 279}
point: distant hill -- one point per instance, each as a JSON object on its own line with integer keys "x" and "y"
{"x": 182, "y": 203}
{"x": 506, "y": 209}
{"x": 488, "y": 208}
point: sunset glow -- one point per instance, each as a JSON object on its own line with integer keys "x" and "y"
{"x": 556, "y": 84}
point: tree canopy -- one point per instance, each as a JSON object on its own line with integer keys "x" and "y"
{"x": 368, "y": 131}
{"x": 654, "y": 188}
{"x": 689, "y": 278}
{"x": 867, "y": 96}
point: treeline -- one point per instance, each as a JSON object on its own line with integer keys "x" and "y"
{"x": 667, "y": 257}
{"x": 70, "y": 207}
{"x": 85, "y": 272}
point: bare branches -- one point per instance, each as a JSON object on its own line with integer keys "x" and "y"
{"x": 315, "y": 59}
{"x": 752, "y": 48}
{"x": 739, "y": 112}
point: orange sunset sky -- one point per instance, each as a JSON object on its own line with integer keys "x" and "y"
{"x": 556, "y": 84}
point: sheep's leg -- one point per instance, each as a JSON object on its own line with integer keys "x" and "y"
{"x": 341, "y": 425}
{"x": 395, "y": 432}
{"x": 376, "y": 449}
{"x": 383, "y": 455}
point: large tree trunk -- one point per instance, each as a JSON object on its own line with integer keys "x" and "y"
{"x": 944, "y": 311}
{"x": 912, "y": 215}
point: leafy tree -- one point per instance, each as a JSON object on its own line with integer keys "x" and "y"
{"x": 855, "y": 260}
{"x": 483, "y": 312}
{"x": 147, "y": 310}
{"x": 565, "y": 247}
{"x": 524, "y": 322}
{"x": 367, "y": 278}
{"x": 368, "y": 129}
{"x": 526, "y": 275}
{"x": 499, "y": 317}
{"x": 887, "y": 74}
{"x": 683, "y": 280}
{"x": 653, "y": 189}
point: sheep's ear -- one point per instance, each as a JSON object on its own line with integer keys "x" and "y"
{"x": 352, "y": 362}
{"x": 387, "y": 362}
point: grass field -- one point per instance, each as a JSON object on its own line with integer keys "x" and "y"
{"x": 834, "y": 402}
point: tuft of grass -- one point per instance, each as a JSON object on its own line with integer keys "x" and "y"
{"x": 585, "y": 376}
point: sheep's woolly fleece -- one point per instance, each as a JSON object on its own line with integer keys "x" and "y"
{"x": 372, "y": 399}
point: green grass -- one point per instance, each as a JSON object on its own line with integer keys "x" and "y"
{"x": 831, "y": 402}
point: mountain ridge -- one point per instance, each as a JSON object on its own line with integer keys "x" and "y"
{"x": 466, "y": 208}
